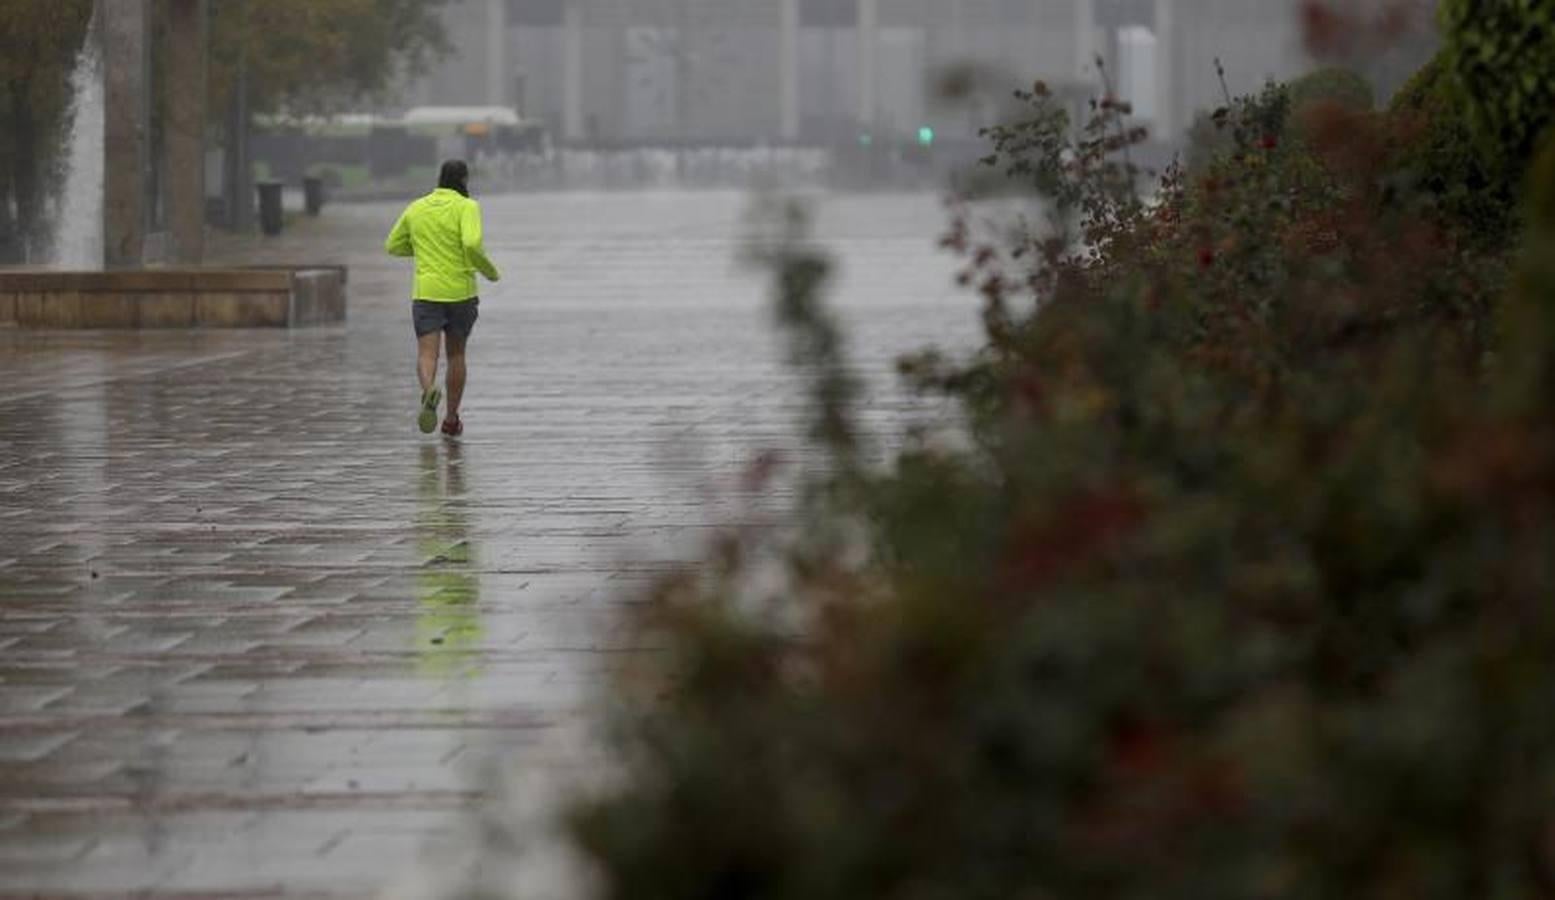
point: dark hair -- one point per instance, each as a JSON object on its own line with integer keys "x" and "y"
{"x": 455, "y": 176}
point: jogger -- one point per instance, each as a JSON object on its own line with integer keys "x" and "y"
{"x": 443, "y": 231}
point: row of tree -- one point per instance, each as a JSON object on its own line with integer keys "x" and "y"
{"x": 39, "y": 42}
{"x": 303, "y": 55}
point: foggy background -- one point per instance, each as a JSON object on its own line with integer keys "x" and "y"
{"x": 544, "y": 94}
{"x": 624, "y": 71}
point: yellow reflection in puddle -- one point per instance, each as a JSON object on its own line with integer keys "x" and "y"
{"x": 448, "y": 627}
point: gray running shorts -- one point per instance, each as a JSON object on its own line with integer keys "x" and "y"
{"x": 457, "y": 319}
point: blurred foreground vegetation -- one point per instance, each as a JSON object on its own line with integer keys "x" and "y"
{"x": 1243, "y": 584}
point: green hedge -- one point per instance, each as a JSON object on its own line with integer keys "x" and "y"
{"x": 1502, "y": 55}
{"x": 1441, "y": 161}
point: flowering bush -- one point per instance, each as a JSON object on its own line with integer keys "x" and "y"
{"x": 1239, "y": 589}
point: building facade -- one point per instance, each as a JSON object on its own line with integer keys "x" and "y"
{"x": 819, "y": 71}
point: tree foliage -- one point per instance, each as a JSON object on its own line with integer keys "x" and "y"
{"x": 1446, "y": 167}
{"x": 310, "y": 56}
{"x": 39, "y": 44}
{"x": 303, "y": 55}
{"x": 1502, "y": 55}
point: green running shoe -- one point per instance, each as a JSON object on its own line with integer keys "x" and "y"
{"x": 427, "y": 421}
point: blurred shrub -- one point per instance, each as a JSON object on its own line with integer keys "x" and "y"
{"x": 1443, "y": 165}
{"x": 1540, "y": 201}
{"x": 1241, "y": 589}
{"x": 1244, "y": 120}
{"x": 1269, "y": 114}
{"x": 1502, "y": 53}
{"x": 1332, "y": 85}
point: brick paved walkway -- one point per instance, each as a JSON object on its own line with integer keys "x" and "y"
{"x": 258, "y": 636}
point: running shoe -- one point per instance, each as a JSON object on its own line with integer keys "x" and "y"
{"x": 427, "y": 421}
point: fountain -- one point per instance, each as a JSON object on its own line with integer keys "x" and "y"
{"x": 99, "y": 278}
{"x": 78, "y": 226}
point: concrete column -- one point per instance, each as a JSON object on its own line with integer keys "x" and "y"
{"x": 788, "y": 63}
{"x": 868, "y": 71}
{"x": 1168, "y": 74}
{"x": 126, "y": 121}
{"x": 497, "y": 52}
{"x": 572, "y": 70}
{"x": 960, "y": 48}
{"x": 184, "y": 130}
{"x": 1085, "y": 45}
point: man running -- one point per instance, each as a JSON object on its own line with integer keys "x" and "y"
{"x": 443, "y": 232}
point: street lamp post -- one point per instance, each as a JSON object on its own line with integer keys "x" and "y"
{"x": 572, "y": 70}
{"x": 184, "y": 142}
{"x": 868, "y": 76}
{"x": 788, "y": 63}
{"x": 126, "y": 126}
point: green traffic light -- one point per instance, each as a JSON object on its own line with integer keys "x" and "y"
{"x": 925, "y": 136}
{"x": 866, "y": 139}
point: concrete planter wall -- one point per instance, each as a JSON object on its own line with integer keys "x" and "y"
{"x": 174, "y": 298}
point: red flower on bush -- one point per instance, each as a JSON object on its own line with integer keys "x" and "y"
{"x": 1029, "y": 393}
{"x": 1140, "y": 749}
{"x": 1079, "y": 529}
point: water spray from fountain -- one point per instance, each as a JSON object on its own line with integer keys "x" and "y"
{"x": 78, "y": 226}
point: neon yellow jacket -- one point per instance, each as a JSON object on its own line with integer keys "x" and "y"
{"x": 443, "y": 232}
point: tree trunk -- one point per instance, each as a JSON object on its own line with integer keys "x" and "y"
{"x": 10, "y": 247}
{"x": 10, "y": 240}
{"x": 24, "y": 173}
{"x": 239, "y": 175}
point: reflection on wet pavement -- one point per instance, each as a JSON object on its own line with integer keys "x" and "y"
{"x": 448, "y": 630}
{"x": 257, "y": 635}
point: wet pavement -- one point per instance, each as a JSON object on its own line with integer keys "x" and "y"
{"x": 258, "y": 636}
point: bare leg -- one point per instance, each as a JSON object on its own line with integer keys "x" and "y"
{"x": 456, "y": 375}
{"x": 426, "y": 359}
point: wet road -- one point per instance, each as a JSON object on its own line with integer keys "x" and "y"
{"x": 259, "y": 636}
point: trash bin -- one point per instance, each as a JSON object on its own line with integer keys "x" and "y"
{"x": 313, "y": 194}
{"x": 270, "y": 207}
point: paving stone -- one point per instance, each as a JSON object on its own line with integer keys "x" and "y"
{"x": 26, "y": 748}
{"x": 18, "y": 698}
{"x": 111, "y": 698}
{"x": 260, "y": 635}
{"x": 52, "y": 775}
{"x": 43, "y": 850}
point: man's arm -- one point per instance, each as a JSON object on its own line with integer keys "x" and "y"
{"x": 398, "y": 243}
{"x": 474, "y": 241}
